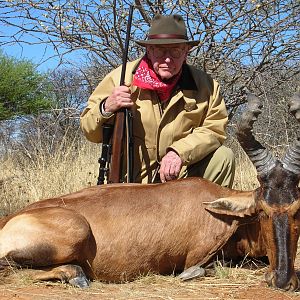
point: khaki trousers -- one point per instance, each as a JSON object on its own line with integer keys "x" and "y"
{"x": 218, "y": 166}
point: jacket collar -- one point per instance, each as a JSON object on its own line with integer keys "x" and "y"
{"x": 187, "y": 82}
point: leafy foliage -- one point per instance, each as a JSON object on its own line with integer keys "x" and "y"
{"x": 22, "y": 89}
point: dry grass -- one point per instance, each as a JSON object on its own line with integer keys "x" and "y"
{"x": 239, "y": 283}
{"x": 24, "y": 180}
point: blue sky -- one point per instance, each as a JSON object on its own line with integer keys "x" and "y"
{"x": 36, "y": 53}
{"x": 39, "y": 54}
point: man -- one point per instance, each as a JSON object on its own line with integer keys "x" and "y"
{"x": 179, "y": 116}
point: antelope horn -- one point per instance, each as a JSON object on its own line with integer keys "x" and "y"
{"x": 291, "y": 159}
{"x": 261, "y": 158}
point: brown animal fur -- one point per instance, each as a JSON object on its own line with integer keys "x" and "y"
{"x": 119, "y": 232}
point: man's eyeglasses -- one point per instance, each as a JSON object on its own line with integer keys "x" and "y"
{"x": 159, "y": 52}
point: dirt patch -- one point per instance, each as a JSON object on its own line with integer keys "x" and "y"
{"x": 228, "y": 283}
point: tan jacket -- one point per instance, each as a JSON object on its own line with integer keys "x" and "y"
{"x": 193, "y": 123}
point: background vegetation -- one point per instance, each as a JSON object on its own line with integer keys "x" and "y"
{"x": 246, "y": 45}
{"x": 23, "y": 90}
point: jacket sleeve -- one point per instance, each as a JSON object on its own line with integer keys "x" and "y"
{"x": 91, "y": 118}
{"x": 209, "y": 135}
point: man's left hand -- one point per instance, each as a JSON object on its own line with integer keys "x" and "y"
{"x": 170, "y": 166}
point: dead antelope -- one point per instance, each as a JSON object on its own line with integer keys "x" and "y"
{"x": 117, "y": 232}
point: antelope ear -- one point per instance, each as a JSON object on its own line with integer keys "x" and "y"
{"x": 240, "y": 205}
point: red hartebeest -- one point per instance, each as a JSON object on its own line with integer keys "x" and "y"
{"x": 118, "y": 232}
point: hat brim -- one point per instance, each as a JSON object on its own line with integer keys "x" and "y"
{"x": 166, "y": 41}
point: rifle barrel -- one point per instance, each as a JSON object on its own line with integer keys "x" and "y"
{"x": 120, "y": 123}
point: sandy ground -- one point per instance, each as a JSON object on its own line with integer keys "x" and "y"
{"x": 228, "y": 283}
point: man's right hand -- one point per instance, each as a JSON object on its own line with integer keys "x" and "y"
{"x": 120, "y": 98}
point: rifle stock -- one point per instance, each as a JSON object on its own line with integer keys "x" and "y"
{"x": 122, "y": 120}
{"x": 116, "y": 151}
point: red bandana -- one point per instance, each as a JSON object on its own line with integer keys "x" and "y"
{"x": 146, "y": 78}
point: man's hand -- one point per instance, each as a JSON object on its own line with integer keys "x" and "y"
{"x": 170, "y": 166}
{"x": 120, "y": 98}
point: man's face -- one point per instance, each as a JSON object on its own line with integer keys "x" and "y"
{"x": 167, "y": 59}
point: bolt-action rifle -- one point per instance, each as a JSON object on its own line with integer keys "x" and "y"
{"x": 111, "y": 159}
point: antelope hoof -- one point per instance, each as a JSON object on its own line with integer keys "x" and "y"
{"x": 80, "y": 281}
{"x": 191, "y": 273}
